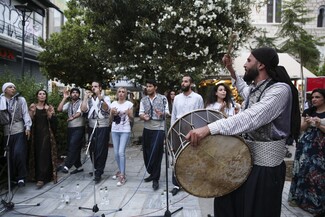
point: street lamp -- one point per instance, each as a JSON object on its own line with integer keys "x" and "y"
{"x": 23, "y": 9}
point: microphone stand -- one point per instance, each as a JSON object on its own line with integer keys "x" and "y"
{"x": 168, "y": 213}
{"x": 95, "y": 207}
{"x": 9, "y": 205}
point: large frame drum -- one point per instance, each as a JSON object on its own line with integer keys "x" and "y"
{"x": 218, "y": 166}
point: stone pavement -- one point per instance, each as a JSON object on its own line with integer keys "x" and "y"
{"x": 135, "y": 198}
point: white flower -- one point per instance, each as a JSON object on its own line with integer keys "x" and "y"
{"x": 193, "y": 23}
{"x": 187, "y": 30}
{"x": 198, "y": 4}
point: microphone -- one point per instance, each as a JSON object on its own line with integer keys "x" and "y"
{"x": 16, "y": 95}
{"x": 164, "y": 101}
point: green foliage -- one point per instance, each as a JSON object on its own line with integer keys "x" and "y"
{"x": 297, "y": 40}
{"x": 71, "y": 54}
{"x": 140, "y": 39}
{"x": 319, "y": 71}
{"x": 26, "y": 86}
{"x": 261, "y": 40}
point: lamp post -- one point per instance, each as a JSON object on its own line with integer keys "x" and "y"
{"x": 23, "y": 9}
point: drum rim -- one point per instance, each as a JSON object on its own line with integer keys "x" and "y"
{"x": 196, "y": 110}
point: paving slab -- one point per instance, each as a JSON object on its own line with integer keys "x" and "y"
{"x": 135, "y": 198}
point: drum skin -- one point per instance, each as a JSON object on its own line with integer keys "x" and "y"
{"x": 218, "y": 166}
{"x": 215, "y": 168}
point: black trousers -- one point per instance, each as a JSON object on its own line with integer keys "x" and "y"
{"x": 99, "y": 145}
{"x": 18, "y": 155}
{"x": 174, "y": 180}
{"x": 76, "y": 137}
{"x": 259, "y": 196}
{"x": 153, "y": 149}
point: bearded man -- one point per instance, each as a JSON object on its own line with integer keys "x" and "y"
{"x": 270, "y": 115}
{"x": 185, "y": 102}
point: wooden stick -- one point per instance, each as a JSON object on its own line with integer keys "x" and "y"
{"x": 231, "y": 43}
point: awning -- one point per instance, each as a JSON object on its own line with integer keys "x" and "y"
{"x": 291, "y": 65}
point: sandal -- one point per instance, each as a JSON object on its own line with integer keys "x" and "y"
{"x": 122, "y": 180}
{"x": 117, "y": 175}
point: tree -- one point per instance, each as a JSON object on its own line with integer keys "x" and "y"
{"x": 263, "y": 41}
{"x": 320, "y": 71}
{"x": 162, "y": 39}
{"x": 71, "y": 55}
{"x": 297, "y": 41}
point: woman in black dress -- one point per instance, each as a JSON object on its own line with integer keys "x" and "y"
{"x": 43, "y": 152}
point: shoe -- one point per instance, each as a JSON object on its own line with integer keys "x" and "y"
{"x": 39, "y": 184}
{"x": 122, "y": 180}
{"x": 116, "y": 175}
{"x": 148, "y": 179}
{"x": 292, "y": 203}
{"x": 322, "y": 214}
{"x": 97, "y": 179}
{"x": 65, "y": 169}
{"x": 175, "y": 190}
{"x": 155, "y": 185}
{"x": 78, "y": 170}
{"x": 59, "y": 168}
{"x": 21, "y": 183}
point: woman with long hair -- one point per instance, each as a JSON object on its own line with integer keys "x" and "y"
{"x": 43, "y": 150}
{"x": 308, "y": 182}
{"x": 220, "y": 98}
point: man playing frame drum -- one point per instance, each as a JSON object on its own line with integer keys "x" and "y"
{"x": 270, "y": 115}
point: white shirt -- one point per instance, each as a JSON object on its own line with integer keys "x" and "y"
{"x": 154, "y": 124}
{"x": 229, "y": 111}
{"x": 122, "y": 109}
{"x": 184, "y": 104}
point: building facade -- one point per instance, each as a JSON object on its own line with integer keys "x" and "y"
{"x": 31, "y": 19}
{"x": 268, "y": 17}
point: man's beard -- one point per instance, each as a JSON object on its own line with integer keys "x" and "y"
{"x": 250, "y": 75}
{"x": 185, "y": 88}
{"x": 75, "y": 98}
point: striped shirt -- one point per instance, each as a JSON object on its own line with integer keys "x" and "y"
{"x": 272, "y": 107}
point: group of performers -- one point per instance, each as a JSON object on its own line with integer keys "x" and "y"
{"x": 269, "y": 115}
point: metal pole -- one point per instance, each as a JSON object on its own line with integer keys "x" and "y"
{"x": 23, "y": 45}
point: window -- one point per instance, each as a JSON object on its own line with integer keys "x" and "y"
{"x": 33, "y": 28}
{"x": 321, "y": 17}
{"x": 273, "y": 11}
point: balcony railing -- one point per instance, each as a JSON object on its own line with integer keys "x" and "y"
{"x": 15, "y": 32}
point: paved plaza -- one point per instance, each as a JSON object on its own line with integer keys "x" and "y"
{"x": 135, "y": 198}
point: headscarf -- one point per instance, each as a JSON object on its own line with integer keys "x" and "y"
{"x": 269, "y": 57}
{"x": 3, "y": 105}
{"x": 5, "y": 85}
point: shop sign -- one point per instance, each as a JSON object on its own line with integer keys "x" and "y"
{"x": 7, "y": 54}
